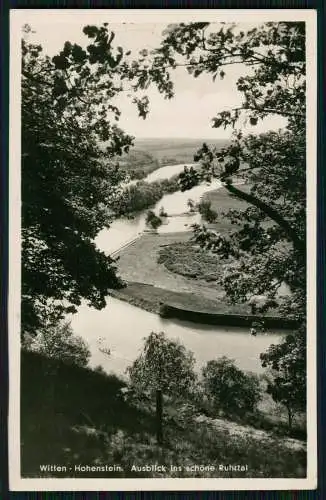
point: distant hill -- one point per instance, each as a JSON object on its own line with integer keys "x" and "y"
{"x": 169, "y": 151}
{"x": 150, "y": 154}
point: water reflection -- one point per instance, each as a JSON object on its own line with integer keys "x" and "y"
{"x": 123, "y": 327}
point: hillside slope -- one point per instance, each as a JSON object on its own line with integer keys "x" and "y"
{"x": 76, "y": 418}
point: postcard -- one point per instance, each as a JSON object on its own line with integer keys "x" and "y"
{"x": 162, "y": 303}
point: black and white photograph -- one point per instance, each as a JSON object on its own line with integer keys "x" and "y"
{"x": 162, "y": 322}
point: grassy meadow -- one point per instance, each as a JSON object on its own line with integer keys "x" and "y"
{"x": 169, "y": 267}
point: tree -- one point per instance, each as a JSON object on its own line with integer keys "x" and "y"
{"x": 59, "y": 342}
{"x": 269, "y": 249}
{"x": 229, "y": 388}
{"x": 272, "y": 237}
{"x": 164, "y": 367}
{"x": 287, "y": 382}
{"x": 70, "y": 186}
{"x": 261, "y": 303}
{"x": 153, "y": 220}
{"x": 205, "y": 209}
{"x": 191, "y": 205}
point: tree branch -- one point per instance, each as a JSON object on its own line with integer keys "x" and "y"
{"x": 272, "y": 214}
{"x": 271, "y": 110}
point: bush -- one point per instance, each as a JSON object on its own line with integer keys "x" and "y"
{"x": 191, "y": 205}
{"x": 206, "y": 211}
{"x": 99, "y": 369}
{"x": 153, "y": 220}
{"x": 59, "y": 342}
{"x": 230, "y": 389}
{"x": 190, "y": 261}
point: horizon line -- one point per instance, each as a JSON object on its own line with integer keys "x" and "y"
{"x": 183, "y": 138}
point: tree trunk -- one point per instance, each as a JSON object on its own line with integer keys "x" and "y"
{"x": 291, "y": 233}
{"x": 159, "y": 417}
{"x": 290, "y": 418}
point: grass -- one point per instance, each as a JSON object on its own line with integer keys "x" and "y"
{"x": 149, "y": 297}
{"x": 139, "y": 263}
{"x": 72, "y": 416}
{"x": 170, "y": 268}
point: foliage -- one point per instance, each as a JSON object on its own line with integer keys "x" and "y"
{"x": 162, "y": 212}
{"x": 69, "y": 185}
{"x": 230, "y": 389}
{"x": 205, "y": 209}
{"x": 188, "y": 178}
{"x": 153, "y": 220}
{"x": 59, "y": 342}
{"x": 89, "y": 423}
{"x": 137, "y": 197}
{"x": 287, "y": 383}
{"x": 99, "y": 369}
{"x": 190, "y": 260}
{"x": 272, "y": 164}
{"x": 261, "y": 303}
{"x": 191, "y": 205}
{"x": 165, "y": 365}
{"x": 272, "y": 83}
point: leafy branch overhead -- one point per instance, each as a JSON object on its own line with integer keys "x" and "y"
{"x": 272, "y": 58}
{"x": 267, "y": 171}
{"x": 70, "y": 188}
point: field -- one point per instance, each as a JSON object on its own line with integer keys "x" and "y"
{"x": 170, "y": 264}
{"x": 76, "y": 416}
{"x": 138, "y": 263}
{"x": 149, "y": 298}
{"x": 222, "y": 201}
{"x": 173, "y": 151}
{"x": 148, "y": 155}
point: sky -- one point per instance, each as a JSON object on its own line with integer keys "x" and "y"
{"x": 196, "y": 101}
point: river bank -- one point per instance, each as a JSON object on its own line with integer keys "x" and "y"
{"x": 196, "y": 309}
{"x": 133, "y": 312}
{"x": 150, "y": 298}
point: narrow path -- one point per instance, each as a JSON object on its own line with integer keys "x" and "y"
{"x": 126, "y": 245}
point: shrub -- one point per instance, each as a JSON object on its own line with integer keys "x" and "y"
{"x": 206, "y": 211}
{"x": 153, "y": 220}
{"x": 230, "y": 389}
{"x": 191, "y": 205}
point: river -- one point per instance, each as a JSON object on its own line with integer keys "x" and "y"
{"x": 123, "y": 230}
{"x": 121, "y": 327}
